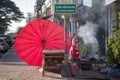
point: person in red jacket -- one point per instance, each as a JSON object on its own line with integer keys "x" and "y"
{"x": 75, "y": 47}
{"x": 74, "y": 56}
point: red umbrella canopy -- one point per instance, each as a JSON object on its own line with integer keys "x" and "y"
{"x": 37, "y": 36}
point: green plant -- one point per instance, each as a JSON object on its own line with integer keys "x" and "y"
{"x": 113, "y": 48}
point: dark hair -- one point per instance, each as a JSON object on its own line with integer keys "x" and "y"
{"x": 74, "y": 34}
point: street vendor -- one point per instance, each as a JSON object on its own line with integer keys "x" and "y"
{"x": 74, "y": 50}
{"x": 74, "y": 56}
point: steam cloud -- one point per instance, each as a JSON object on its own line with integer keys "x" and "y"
{"x": 88, "y": 33}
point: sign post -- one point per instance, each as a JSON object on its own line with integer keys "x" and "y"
{"x": 65, "y": 9}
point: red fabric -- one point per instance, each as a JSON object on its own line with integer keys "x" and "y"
{"x": 75, "y": 52}
{"x": 37, "y": 36}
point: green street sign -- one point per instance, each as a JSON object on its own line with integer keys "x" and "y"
{"x": 65, "y": 8}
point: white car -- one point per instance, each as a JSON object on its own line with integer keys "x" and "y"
{"x": 3, "y": 45}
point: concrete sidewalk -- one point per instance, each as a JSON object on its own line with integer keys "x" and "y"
{"x": 13, "y": 68}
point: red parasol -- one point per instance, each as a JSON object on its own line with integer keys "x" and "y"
{"x": 37, "y": 36}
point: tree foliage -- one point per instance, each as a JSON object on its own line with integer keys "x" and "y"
{"x": 8, "y": 12}
{"x": 113, "y": 48}
{"x": 29, "y": 17}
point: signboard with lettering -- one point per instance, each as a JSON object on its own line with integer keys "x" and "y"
{"x": 65, "y": 8}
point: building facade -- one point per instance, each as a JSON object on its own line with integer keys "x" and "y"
{"x": 105, "y": 16}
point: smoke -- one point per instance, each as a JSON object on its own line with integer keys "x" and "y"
{"x": 93, "y": 30}
{"x": 88, "y": 33}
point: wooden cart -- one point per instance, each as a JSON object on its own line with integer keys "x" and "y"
{"x": 53, "y": 60}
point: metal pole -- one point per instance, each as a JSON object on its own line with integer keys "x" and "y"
{"x": 65, "y": 37}
{"x": 65, "y": 45}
